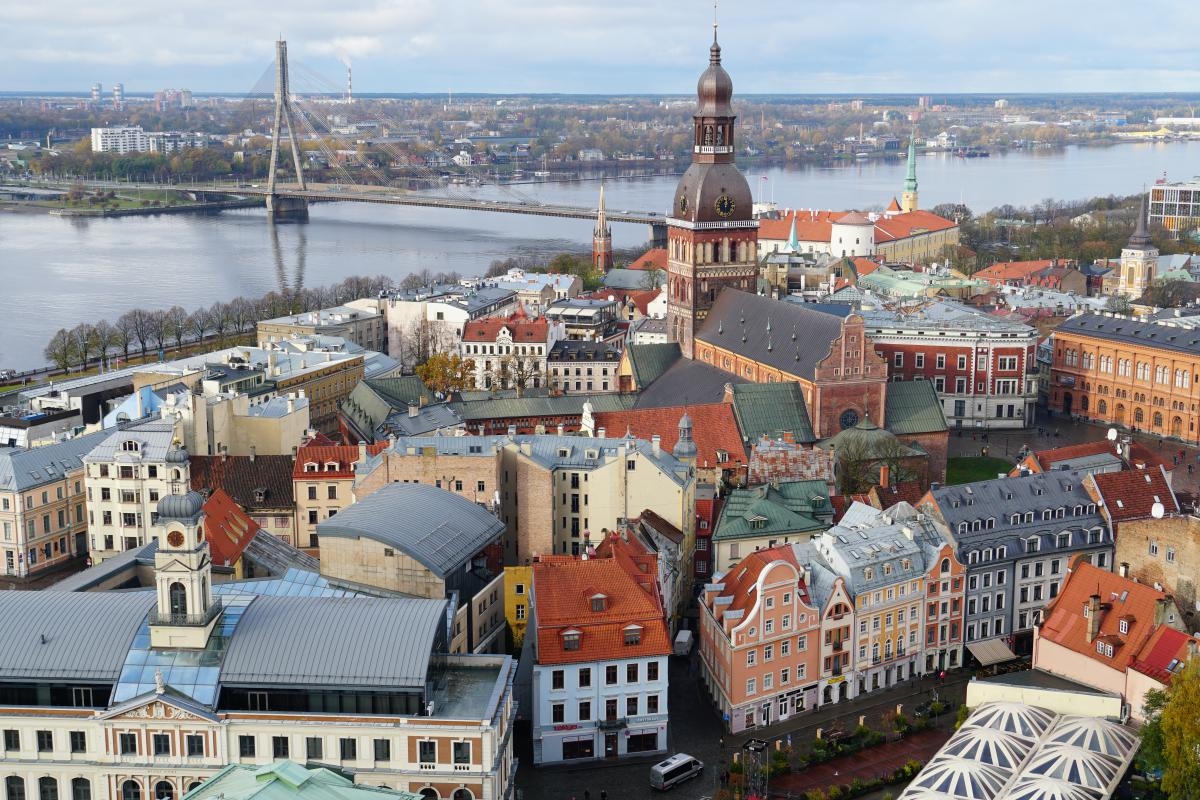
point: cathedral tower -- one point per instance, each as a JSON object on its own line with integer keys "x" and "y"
{"x": 602, "y": 255}
{"x": 712, "y": 236}
{"x": 908, "y": 200}
{"x": 1139, "y": 260}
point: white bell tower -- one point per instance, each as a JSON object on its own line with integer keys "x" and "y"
{"x": 186, "y": 611}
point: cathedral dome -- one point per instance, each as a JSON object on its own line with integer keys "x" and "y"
{"x": 703, "y": 185}
{"x": 180, "y": 506}
{"x": 714, "y": 90}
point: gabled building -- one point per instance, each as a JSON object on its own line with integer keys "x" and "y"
{"x": 764, "y": 516}
{"x": 760, "y": 639}
{"x": 599, "y": 651}
{"x": 509, "y": 352}
{"x": 260, "y": 485}
{"x": 1103, "y": 630}
{"x": 1016, "y": 537}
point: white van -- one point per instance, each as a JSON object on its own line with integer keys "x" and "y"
{"x": 674, "y": 770}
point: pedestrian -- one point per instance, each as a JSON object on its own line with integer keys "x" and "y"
{"x": 1189, "y": 469}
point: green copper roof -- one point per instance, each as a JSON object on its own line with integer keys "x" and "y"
{"x": 650, "y": 361}
{"x": 407, "y": 390}
{"x": 771, "y": 409}
{"x": 910, "y": 183}
{"x": 913, "y": 407}
{"x": 794, "y": 507}
{"x": 287, "y": 780}
{"x": 866, "y": 440}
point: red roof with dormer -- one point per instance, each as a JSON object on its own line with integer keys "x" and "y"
{"x": 912, "y": 223}
{"x": 519, "y": 325}
{"x": 331, "y": 461}
{"x": 227, "y": 528}
{"x": 1012, "y": 271}
{"x": 596, "y": 602}
{"x": 714, "y": 430}
{"x": 1131, "y": 494}
{"x": 1164, "y": 654}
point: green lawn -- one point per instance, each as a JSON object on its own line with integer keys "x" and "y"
{"x": 977, "y": 468}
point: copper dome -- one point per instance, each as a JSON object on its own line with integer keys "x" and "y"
{"x": 702, "y": 185}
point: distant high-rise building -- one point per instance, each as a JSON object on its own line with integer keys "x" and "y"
{"x": 97, "y": 93}
{"x": 924, "y": 102}
{"x": 118, "y": 96}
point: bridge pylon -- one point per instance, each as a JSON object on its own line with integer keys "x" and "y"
{"x": 284, "y": 208}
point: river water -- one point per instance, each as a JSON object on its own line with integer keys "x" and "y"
{"x": 59, "y": 271}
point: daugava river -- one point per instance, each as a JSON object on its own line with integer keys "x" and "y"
{"x": 60, "y": 271}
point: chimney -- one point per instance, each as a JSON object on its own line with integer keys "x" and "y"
{"x": 656, "y": 444}
{"x": 1124, "y": 571}
{"x": 1161, "y": 606}
{"x": 362, "y": 451}
{"x": 601, "y": 433}
{"x": 414, "y": 411}
{"x": 291, "y": 400}
{"x": 1093, "y": 622}
{"x": 560, "y": 430}
{"x": 224, "y": 452}
{"x": 885, "y": 475}
{"x": 252, "y": 453}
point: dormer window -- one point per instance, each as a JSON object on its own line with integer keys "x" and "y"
{"x": 260, "y": 494}
{"x": 129, "y": 446}
{"x": 1104, "y": 648}
{"x": 310, "y": 466}
{"x": 868, "y": 573}
{"x": 633, "y": 635}
{"x": 571, "y": 639}
{"x": 564, "y": 452}
{"x": 1124, "y": 626}
{"x": 599, "y": 602}
{"x": 331, "y": 466}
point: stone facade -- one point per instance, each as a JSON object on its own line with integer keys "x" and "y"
{"x": 1164, "y": 552}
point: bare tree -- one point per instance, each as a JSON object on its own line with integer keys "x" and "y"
{"x": 160, "y": 329}
{"x": 106, "y": 339}
{"x": 218, "y": 315}
{"x": 61, "y": 350}
{"x": 123, "y": 334}
{"x": 516, "y": 372}
{"x": 138, "y": 321}
{"x": 198, "y": 324}
{"x": 422, "y": 339}
{"x": 85, "y": 343}
{"x": 241, "y": 315}
{"x": 177, "y": 325}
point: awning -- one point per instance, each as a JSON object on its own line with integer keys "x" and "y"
{"x": 991, "y": 651}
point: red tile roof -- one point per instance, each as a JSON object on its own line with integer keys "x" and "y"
{"x": 247, "y": 479}
{"x": 714, "y": 428}
{"x": 864, "y": 266}
{"x": 1131, "y": 494}
{"x": 1046, "y": 459}
{"x": 744, "y": 574}
{"x": 1011, "y": 270}
{"x": 1165, "y": 647}
{"x": 884, "y": 497}
{"x": 641, "y": 297}
{"x": 343, "y": 455}
{"x": 227, "y": 528}
{"x": 654, "y": 258}
{"x": 1143, "y": 457}
{"x": 1120, "y": 598}
{"x": 894, "y": 207}
{"x": 563, "y": 589}
{"x": 811, "y": 226}
{"x": 520, "y": 326}
{"x": 914, "y": 223}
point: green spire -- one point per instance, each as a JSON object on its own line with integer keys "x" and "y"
{"x": 793, "y": 243}
{"x": 910, "y": 183}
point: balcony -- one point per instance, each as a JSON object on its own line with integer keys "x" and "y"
{"x": 190, "y": 620}
{"x": 837, "y": 645}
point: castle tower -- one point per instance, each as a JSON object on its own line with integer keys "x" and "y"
{"x": 712, "y": 236}
{"x": 186, "y": 611}
{"x": 602, "y": 255}
{"x": 908, "y": 200}
{"x": 1139, "y": 259}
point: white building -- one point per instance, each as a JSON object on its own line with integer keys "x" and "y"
{"x": 126, "y": 475}
{"x": 120, "y": 140}
{"x": 600, "y": 660}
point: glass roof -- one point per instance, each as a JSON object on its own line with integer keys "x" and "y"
{"x": 989, "y": 746}
{"x": 293, "y": 583}
{"x": 1096, "y": 735}
{"x": 194, "y": 673}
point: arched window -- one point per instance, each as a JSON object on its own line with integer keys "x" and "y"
{"x": 945, "y": 565}
{"x": 178, "y": 594}
{"x": 429, "y": 793}
{"x": 14, "y": 788}
{"x": 1102, "y": 407}
{"x": 163, "y": 790}
{"x": 193, "y": 785}
{"x": 131, "y": 790}
{"x": 1157, "y": 419}
{"x": 81, "y": 789}
{"x": 1139, "y": 415}
{"x": 47, "y": 788}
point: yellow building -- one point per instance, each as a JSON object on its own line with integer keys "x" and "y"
{"x": 517, "y": 581}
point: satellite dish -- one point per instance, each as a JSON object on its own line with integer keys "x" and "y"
{"x": 1112, "y": 434}
{"x": 1157, "y": 510}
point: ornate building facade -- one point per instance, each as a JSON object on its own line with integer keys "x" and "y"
{"x": 712, "y": 236}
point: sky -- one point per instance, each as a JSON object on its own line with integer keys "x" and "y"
{"x": 609, "y": 47}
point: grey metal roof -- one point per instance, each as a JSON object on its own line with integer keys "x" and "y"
{"x": 767, "y": 327}
{"x": 504, "y": 407}
{"x": 1165, "y": 334}
{"x": 79, "y": 636}
{"x": 154, "y": 437}
{"x": 572, "y": 452}
{"x": 22, "y": 469}
{"x": 869, "y": 538}
{"x": 97, "y": 574}
{"x": 302, "y": 641}
{"x": 438, "y": 528}
{"x": 973, "y": 504}
{"x": 689, "y": 382}
{"x": 426, "y": 420}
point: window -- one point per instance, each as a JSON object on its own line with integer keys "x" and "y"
{"x": 162, "y": 744}
{"x": 585, "y": 677}
{"x": 12, "y": 740}
{"x": 427, "y": 751}
{"x": 610, "y": 675}
{"x": 652, "y": 704}
{"x": 45, "y": 741}
{"x": 1171, "y": 555}
{"x": 652, "y": 671}
{"x": 571, "y": 641}
{"x": 751, "y": 686}
{"x": 348, "y": 748}
{"x": 195, "y": 745}
{"x": 462, "y": 752}
{"x": 14, "y": 788}
{"x": 557, "y": 679}
{"x": 47, "y": 788}
{"x": 751, "y": 658}
{"x": 81, "y": 789}
{"x": 631, "y": 706}
{"x": 633, "y": 636}
{"x": 585, "y": 710}
{"x": 314, "y": 747}
{"x": 246, "y": 746}
{"x": 78, "y": 742}
{"x": 127, "y": 743}
{"x": 312, "y": 493}
{"x": 332, "y": 490}
{"x": 383, "y": 749}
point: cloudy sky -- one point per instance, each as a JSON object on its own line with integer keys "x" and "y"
{"x": 588, "y": 46}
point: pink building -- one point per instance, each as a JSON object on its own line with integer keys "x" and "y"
{"x": 1112, "y": 633}
{"x": 760, "y": 640}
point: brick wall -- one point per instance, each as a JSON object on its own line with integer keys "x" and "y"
{"x": 1164, "y": 552}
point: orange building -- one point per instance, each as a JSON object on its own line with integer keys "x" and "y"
{"x": 1141, "y": 375}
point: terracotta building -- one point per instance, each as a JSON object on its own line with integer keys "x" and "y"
{"x": 1143, "y": 375}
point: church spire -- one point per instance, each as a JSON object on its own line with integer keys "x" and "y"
{"x": 1140, "y": 240}
{"x": 793, "y": 242}
{"x": 908, "y": 200}
{"x": 602, "y": 256}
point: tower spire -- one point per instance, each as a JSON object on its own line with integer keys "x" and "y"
{"x": 793, "y": 242}
{"x": 908, "y": 200}
{"x": 1140, "y": 239}
{"x": 714, "y": 52}
{"x": 602, "y": 256}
